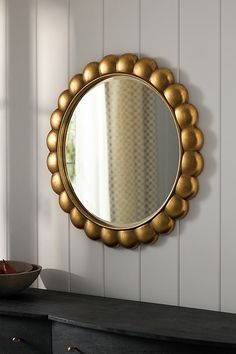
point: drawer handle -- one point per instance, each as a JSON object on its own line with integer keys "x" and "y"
{"x": 17, "y": 340}
{"x": 73, "y": 350}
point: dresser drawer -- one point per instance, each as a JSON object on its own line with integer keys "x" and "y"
{"x": 89, "y": 341}
{"x": 31, "y": 336}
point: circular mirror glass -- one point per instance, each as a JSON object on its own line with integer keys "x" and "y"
{"x": 122, "y": 151}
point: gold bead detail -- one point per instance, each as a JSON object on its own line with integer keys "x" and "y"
{"x": 128, "y": 238}
{"x": 126, "y": 62}
{"x": 52, "y": 140}
{"x": 186, "y": 114}
{"x": 161, "y": 79}
{"x": 90, "y": 72}
{"x": 56, "y": 183}
{"x": 192, "y": 163}
{"x": 146, "y": 233}
{"x": 109, "y": 237}
{"x": 52, "y": 162}
{"x": 56, "y": 119}
{"x": 92, "y": 230}
{"x": 144, "y": 67}
{"x": 64, "y": 100}
{"x": 187, "y": 187}
{"x": 192, "y": 138}
{"x": 176, "y": 94}
{"x": 162, "y": 223}
{"x": 177, "y": 207}
{"x": 65, "y": 202}
{"x": 108, "y": 64}
{"x": 77, "y": 219}
{"x": 76, "y": 83}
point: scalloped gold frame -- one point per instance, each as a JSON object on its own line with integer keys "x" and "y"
{"x": 190, "y": 138}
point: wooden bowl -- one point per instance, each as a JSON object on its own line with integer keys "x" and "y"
{"x": 11, "y": 284}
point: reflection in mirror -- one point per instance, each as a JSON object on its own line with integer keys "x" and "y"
{"x": 122, "y": 151}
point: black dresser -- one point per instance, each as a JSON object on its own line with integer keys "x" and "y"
{"x": 43, "y": 321}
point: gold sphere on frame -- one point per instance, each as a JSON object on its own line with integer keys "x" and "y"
{"x": 190, "y": 138}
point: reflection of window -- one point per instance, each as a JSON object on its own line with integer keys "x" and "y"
{"x": 91, "y": 160}
{"x": 70, "y": 150}
{"x": 86, "y": 152}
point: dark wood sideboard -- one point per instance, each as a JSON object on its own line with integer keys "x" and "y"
{"x": 43, "y": 321}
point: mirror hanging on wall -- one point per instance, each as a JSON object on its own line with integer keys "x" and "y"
{"x": 124, "y": 150}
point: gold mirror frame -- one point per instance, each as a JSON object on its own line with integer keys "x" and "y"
{"x": 190, "y": 138}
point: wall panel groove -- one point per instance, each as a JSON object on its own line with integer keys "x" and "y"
{"x": 103, "y": 53}
{"x": 3, "y": 130}
{"x": 36, "y": 135}
{"x": 178, "y": 222}
{"x": 220, "y": 152}
{"x": 68, "y": 79}
{"x": 6, "y": 137}
{"x": 140, "y": 248}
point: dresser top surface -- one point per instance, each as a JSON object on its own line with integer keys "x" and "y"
{"x": 124, "y": 316}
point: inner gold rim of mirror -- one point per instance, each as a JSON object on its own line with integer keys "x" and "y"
{"x": 185, "y": 116}
{"x": 62, "y": 161}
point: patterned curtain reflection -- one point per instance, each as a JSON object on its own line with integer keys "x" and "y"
{"x": 133, "y": 151}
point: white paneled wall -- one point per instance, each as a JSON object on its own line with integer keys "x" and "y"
{"x": 45, "y": 42}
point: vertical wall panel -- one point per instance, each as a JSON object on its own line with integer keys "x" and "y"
{"x": 86, "y": 43}
{"x": 228, "y": 161}
{"x": 21, "y": 114}
{"x": 52, "y": 78}
{"x": 3, "y": 112}
{"x": 121, "y": 35}
{"x": 200, "y": 230}
{"x": 159, "y": 263}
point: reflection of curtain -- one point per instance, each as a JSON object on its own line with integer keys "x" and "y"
{"x": 133, "y": 151}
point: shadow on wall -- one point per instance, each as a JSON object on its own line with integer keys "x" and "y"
{"x": 53, "y": 278}
{"x": 205, "y": 122}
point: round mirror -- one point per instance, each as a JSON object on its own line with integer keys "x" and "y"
{"x": 122, "y": 151}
